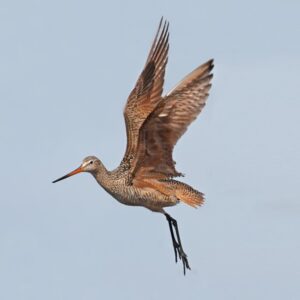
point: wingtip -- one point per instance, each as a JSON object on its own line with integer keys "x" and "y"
{"x": 211, "y": 63}
{"x": 163, "y": 25}
{"x": 208, "y": 66}
{"x": 163, "y": 19}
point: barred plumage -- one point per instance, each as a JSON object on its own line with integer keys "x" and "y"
{"x": 154, "y": 124}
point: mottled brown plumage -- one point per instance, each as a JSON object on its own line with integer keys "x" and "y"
{"x": 154, "y": 124}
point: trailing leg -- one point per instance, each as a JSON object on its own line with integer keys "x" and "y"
{"x": 177, "y": 242}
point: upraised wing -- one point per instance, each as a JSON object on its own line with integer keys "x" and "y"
{"x": 169, "y": 121}
{"x": 147, "y": 92}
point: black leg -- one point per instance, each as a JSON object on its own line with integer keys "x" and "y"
{"x": 177, "y": 243}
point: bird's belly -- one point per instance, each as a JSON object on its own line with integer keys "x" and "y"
{"x": 149, "y": 198}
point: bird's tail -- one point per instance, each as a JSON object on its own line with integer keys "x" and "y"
{"x": 183, "y": 192}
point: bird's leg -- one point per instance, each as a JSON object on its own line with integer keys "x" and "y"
{"x": 177, "y": 243}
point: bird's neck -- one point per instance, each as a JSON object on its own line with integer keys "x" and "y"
{"x": 101, "y": 175}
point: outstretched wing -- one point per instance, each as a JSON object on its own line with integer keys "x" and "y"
{"x": 169, "y": 121}
{"x": 147, "y": 92}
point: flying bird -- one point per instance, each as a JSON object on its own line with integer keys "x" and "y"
{"x": 154, "y": 124}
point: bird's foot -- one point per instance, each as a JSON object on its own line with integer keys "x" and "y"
{"x": 182, "y": 256}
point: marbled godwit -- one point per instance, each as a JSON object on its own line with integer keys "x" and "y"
{"x": 154, "y": 123}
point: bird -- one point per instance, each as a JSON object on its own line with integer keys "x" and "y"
{"x": 154, "y": 124}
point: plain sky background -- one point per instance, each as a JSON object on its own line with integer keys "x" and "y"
{"x": 66, "y": 69}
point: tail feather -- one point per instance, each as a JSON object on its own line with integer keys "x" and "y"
{"x": 185, "y": 193}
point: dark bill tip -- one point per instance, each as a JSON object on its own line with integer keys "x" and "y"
{"x": 61, "y": 178}
{"x": 76, "y": 171}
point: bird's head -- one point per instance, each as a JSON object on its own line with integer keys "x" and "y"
{"x": 89, "y": 164}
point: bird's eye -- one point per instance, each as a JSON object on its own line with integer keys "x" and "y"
{"x": 91, "y": 162}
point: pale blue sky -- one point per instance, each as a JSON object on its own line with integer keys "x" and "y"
{"x": 67, "y": 68}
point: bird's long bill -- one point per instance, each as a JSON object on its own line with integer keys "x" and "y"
{"x": 76, "y": 171}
